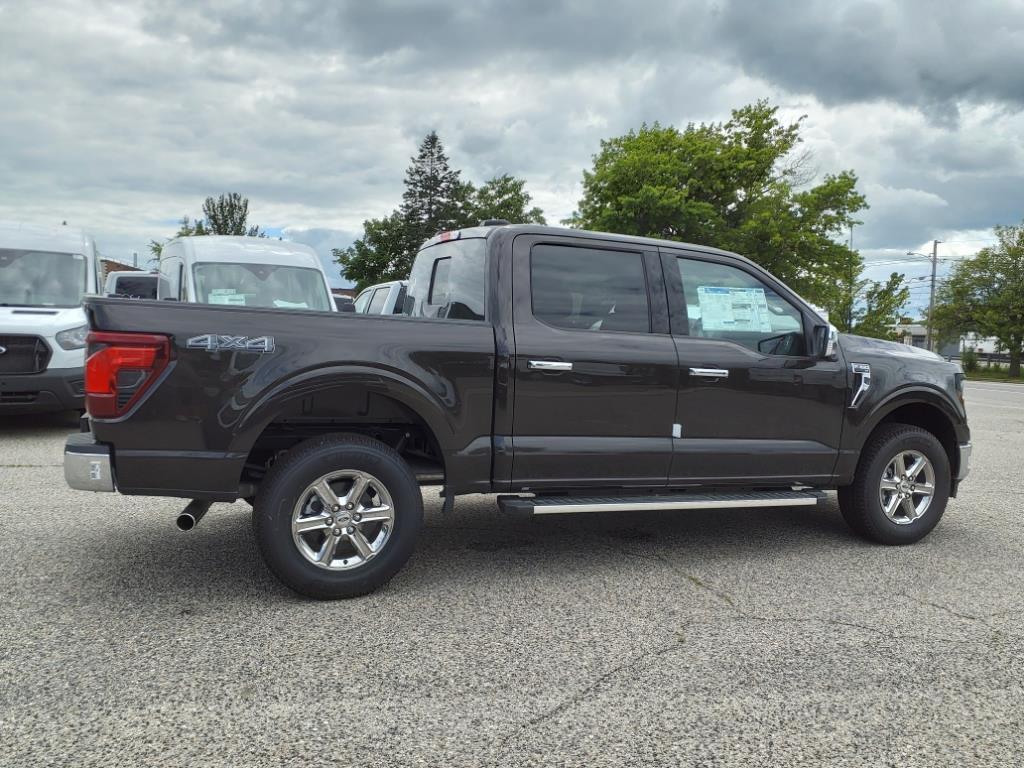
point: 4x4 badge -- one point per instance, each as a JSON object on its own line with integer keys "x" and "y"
{"x": 214, "y": 342}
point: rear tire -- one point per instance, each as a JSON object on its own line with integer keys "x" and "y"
{"x": 338, "y": 516}
{"x": 901, "y": 487}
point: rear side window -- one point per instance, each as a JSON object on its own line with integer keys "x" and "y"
{"x": 449, "y": 281}
{"x": 589, "y": 289}
{"x": 380, "y": 297}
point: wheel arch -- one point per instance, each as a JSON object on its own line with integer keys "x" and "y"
{"x": 340, "y": 399}
{"x": 919, "y": 407}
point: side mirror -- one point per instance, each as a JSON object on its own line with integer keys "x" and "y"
{"x": 825, "y": 338}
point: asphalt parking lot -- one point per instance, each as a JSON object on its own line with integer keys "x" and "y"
{"x": 761, "y": 637}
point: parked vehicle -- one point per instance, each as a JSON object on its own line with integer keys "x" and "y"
{"x": 572, "y": 371}
{"x": 44, "y": 272}
{"x": 131, "y": 284}
{"x": 243, "y": 272}
{"x": 344, "y": 303}
{"x": 383, "y": 298}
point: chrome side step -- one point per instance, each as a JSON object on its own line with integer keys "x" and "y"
{"x": 555, "y": 505}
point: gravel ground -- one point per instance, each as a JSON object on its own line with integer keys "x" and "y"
{"x": 760, "y": 637}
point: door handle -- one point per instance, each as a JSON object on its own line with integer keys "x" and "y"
{"x": 710, "y": 373}
{"x": 550, "y": 365}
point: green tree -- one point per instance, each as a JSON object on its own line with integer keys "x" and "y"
{"x": 872, "y": 308}
{"x": 985, "y": 294}
{"x": 380, "y": 254}
{"x": 436, "y": 199}
{"x": 434, "y": 194}
{"x": 503, "y": 197}
{"x": 739, "y": 185}
{"x": 224, "y": 215}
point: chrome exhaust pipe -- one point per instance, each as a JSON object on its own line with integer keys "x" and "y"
{"x": 192, "y": 514}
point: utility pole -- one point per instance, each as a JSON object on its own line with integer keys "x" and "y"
{"x": 931, "y": 300}
{"x": 849, "y": 311}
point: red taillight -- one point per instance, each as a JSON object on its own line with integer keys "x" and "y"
{"x": 107, "y": 393}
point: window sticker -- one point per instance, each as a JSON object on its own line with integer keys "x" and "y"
{"x": 227, "y": 296}
{"x": 282, "y": 304}
{"x": 733, "y": 309}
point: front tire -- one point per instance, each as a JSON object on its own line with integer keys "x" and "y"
{"x": 901, "y": 487}
{"x": 338, "y": 516}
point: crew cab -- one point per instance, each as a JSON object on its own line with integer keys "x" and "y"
{"x": 567, "y": 371}
{"x": 44, "y": 273}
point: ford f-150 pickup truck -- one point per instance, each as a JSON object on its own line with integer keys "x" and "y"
{"x": 568, "y": 371}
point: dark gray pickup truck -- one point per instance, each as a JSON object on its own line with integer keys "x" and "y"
{"x": 570, "y": 371}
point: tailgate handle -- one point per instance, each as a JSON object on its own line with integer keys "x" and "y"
{"x": 710, "y": 373}
{"x": 550, "y": 365}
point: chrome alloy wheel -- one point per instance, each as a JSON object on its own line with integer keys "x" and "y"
{"x": 907, "y": 487}
{"x": 343, "y": 520}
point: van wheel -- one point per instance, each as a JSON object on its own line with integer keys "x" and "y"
{"x": 338, "y": 516}
{"x": 901, "y": 487}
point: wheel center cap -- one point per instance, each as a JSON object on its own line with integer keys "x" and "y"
{"x": 343, "y": 517}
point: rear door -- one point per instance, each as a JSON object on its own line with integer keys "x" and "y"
{"x": 755, "y": 405}
{"x": 595, "y": 367}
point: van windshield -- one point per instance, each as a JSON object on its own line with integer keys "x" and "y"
{"x": 260, "y": 285}
{"x": 41, "y": 278}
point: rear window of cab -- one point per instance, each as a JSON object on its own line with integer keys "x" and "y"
{"x": 449, "y": 281}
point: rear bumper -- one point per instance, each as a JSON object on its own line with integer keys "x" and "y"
{"x": 87, "y": 464}
{"x": 56, "y": 389}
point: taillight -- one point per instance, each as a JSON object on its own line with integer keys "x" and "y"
{"x": 120, "y": 367}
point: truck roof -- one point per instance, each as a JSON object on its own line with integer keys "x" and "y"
{"x": 543, "y": 229}
{"x": 57, "y": 238}
{"x": 244, "y": 249}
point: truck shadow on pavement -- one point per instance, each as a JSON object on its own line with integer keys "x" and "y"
{"x": 150, "y": 560}
{"x": 62, "y": 422}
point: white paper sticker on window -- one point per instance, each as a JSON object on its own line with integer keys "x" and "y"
{"x": 234, "y": 299}
{"x": 733, "y": 309}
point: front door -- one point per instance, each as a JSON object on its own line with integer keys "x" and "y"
{"x": 595, "y": 366}
{"x": 755, "y": 404}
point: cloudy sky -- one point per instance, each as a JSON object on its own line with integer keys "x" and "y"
{"x": 122, "y": 117}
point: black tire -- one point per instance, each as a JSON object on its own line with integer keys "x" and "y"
{"x": 860, "y": 502}
{"x": 293, "y": 473}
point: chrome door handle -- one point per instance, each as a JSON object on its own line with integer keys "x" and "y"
{"x": 550, "y": 365}
{"x": 710, "y": 373}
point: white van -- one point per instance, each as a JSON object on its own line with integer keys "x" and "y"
{"x": 243, "y": 272}
{"x": 44, "y": 272}
{"x": 131, "y": 284}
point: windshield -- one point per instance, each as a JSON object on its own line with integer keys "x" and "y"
{"x": 260, "y": 285}
{"x": 41, "y": 278}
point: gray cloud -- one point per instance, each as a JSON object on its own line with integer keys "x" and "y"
{"x": 123, "y": 117}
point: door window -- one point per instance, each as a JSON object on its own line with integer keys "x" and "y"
{"x": 362, "y": 300}
{"x": 724, "y": 302}
{"x": 589, "y": 289}
{"x": 380, "y": 296}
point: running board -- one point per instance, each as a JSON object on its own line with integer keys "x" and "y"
{"x": 555, "y": 505}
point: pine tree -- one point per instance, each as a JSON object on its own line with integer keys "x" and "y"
{"x": 432, "y": 200}
{"x": 435, "y": 200}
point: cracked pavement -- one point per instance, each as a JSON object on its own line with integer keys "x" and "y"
{"x": 747, "y": 637}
